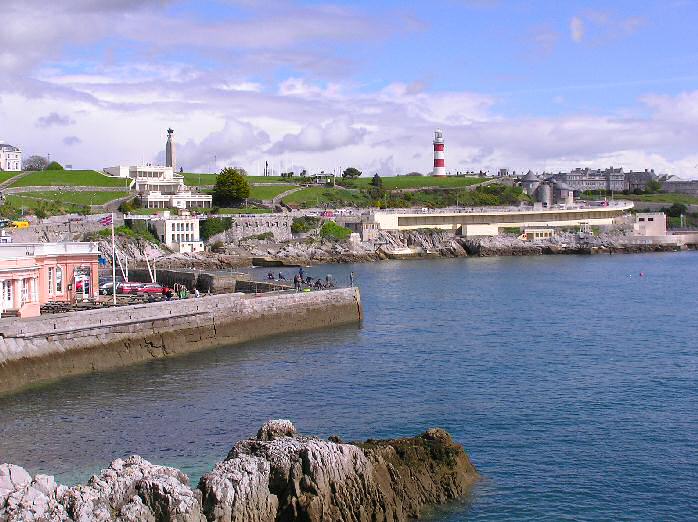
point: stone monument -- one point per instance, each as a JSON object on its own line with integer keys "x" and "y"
{"x": 170, "y": 154}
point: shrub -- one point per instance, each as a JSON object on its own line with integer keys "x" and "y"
{"x": 54, "y": 165}
{"x": 212, "y": 226}
{"x": 264, "y": 236}
{"x": 304, "y": 224}
{"x": 331, "y": 230}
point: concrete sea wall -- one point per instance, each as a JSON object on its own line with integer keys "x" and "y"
{"x": 58, "y": 345}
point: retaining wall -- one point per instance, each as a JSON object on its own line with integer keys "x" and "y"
{"x": 248, "y": 226}
{"x": 58, "y": 345}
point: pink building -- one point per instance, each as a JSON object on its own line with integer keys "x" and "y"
{"x": 32, "y": 274}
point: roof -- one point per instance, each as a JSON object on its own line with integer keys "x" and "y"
{"x": 9, "y": 148}
{"x": 530, "y": 176}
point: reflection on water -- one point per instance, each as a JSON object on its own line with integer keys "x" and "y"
{"x": 571, "y": 381}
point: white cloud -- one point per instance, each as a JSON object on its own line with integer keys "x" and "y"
{"x": 54, "y": 119}
{"x": 314, "y": 137}
{"x": 577, "y": 29}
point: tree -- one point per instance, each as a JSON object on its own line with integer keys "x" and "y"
{"x": 351, "y": 172}
{"x": 677, "y": 210}
{"x": 231, "y": 187}
{"x": 653, "y": 186}
{"x": 377, "y": 181}
{"x": 54, "y": 165}
{"x": 35, "y": 163}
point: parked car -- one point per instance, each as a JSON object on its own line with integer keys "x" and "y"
{"x": 128, "y": 288}
{"x": 150, "y": 288}
{"x": 106, "y": 288}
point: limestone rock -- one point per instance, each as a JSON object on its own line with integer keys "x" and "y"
{"x": 289, "y": 478}
{"x": 134, "y": 489}
{"x": 25, "y": 499}
{"x": 273, "y": 429}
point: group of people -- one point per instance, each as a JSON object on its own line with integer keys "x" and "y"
{"x": 301, "y": 280}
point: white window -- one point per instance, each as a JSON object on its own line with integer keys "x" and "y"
{"x": 59, "y": 280}
{"x": 50, "y": 280}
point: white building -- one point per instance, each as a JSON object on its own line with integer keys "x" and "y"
{"x": 10, "y": 158}
{"x": 650, "y": 224}
{"x": 160, "y": 187}
{"x": 179, "y": 233}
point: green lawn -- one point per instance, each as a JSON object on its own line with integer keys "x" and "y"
{"x": 686, "y": 199}
{"x": 86, "y": 178}
{"x": 249, "y": 210}
{"x": 77, "y": 198}
{"x": 313, "y": 196}
{"x": 4, "y": 176}
{"x": 269, "y": 191}
{"x": 194, "y": 179}
{"x": 407, "y": 182}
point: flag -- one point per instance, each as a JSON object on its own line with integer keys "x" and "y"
{"x": 105, "y": 221}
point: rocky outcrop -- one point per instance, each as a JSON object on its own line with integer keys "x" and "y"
{"x": 283, "y": 476}
{"x": 277, "y": 476}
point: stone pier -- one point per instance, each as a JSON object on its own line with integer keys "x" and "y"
{"x": 58, "y": 345}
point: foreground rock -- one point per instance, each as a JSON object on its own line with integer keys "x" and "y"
{"x": 276, "y": 477}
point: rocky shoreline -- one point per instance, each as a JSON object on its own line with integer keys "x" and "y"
{"x": 278, "y": 476}
{"x": 390, "y": 245}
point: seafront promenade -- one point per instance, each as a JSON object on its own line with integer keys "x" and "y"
{"x": 57, "y": 345}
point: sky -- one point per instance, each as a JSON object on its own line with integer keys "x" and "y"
{"x": 541, "y": 85}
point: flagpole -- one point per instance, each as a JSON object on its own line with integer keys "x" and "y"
{"x": 113, "y": 260}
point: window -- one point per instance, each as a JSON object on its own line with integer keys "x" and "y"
{"x": 50, "y": 281}
{"x": 642, "y": 219}
{"x": 650, "y": 219}
{"x": 59, "y": 280}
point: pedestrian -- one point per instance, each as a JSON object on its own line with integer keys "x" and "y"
{"x": 282, "y": 277}
{"x": 300, "y": 272}
{"x": 351, "y": 279}
{"x": 196, "y": 292}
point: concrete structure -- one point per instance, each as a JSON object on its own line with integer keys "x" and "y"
{"x": 681, "y": 186}
{"x": 179, "y": 233}
{"x": 488, "y": 221}
{"x": 159, "y": 187}
{"x": 366, "y": 229}
{"x": 57, "y": 345}
{"x": 10, "y": 158}
{"x": 170, "y": 152}
{"x": 650, "y": 224}
{"x": 32, "y": 274}
{"x": 439, "y": 156}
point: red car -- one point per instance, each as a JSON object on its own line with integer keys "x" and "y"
{"x": 150, "y": 288}
{"x": 128, "y": 288}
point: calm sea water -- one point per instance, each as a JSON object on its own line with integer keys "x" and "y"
{"x": 571, "y": 381}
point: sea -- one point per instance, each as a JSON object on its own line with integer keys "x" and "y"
{"x": 571, "y": 381}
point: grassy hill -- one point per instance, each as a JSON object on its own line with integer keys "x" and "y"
{"x": 4, "y": 176}
{"x": 413, "y": 182}
{"x": 76, "y": 178}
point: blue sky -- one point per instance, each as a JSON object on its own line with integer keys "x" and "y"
{"x": 546, "y": 85}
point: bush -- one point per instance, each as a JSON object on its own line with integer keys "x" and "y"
{"x": 331, "y": 230}
{"x": 129, "y": 206}
{"x": 231, "y": 187}
{"x": 351, "y": 172}
{"x": 676, "y": 210}
{"x": 212, "y": 226}
{"x": 304, "y": 224}
{"x": 54, "y": 165}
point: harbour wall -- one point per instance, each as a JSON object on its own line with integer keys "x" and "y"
{"x": 53, "y": 346}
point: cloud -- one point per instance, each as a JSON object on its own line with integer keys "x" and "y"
{"x": 230, "y": 146}
{"x": 71, "y": 140}
{"x": 577, "y": 29}
{"x": 314, "y": 137}
{"x": 54, "y": 120}
{"x": 598, "y": 27}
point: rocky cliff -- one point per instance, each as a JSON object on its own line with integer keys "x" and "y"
{"x": 278, "y": 476}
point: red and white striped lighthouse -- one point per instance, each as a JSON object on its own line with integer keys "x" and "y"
{"x": 439, "y": 161}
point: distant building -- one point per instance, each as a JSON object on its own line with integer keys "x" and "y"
{"x": 547, "y": 191}
{"x": 610, "y": 179}
{"x": 10, "y": 158}
{"x": 179, "y": 233}
{"x": 532, "y": 234}
{"x": 680, "y": 186}
{"x": 159, "y": 187}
